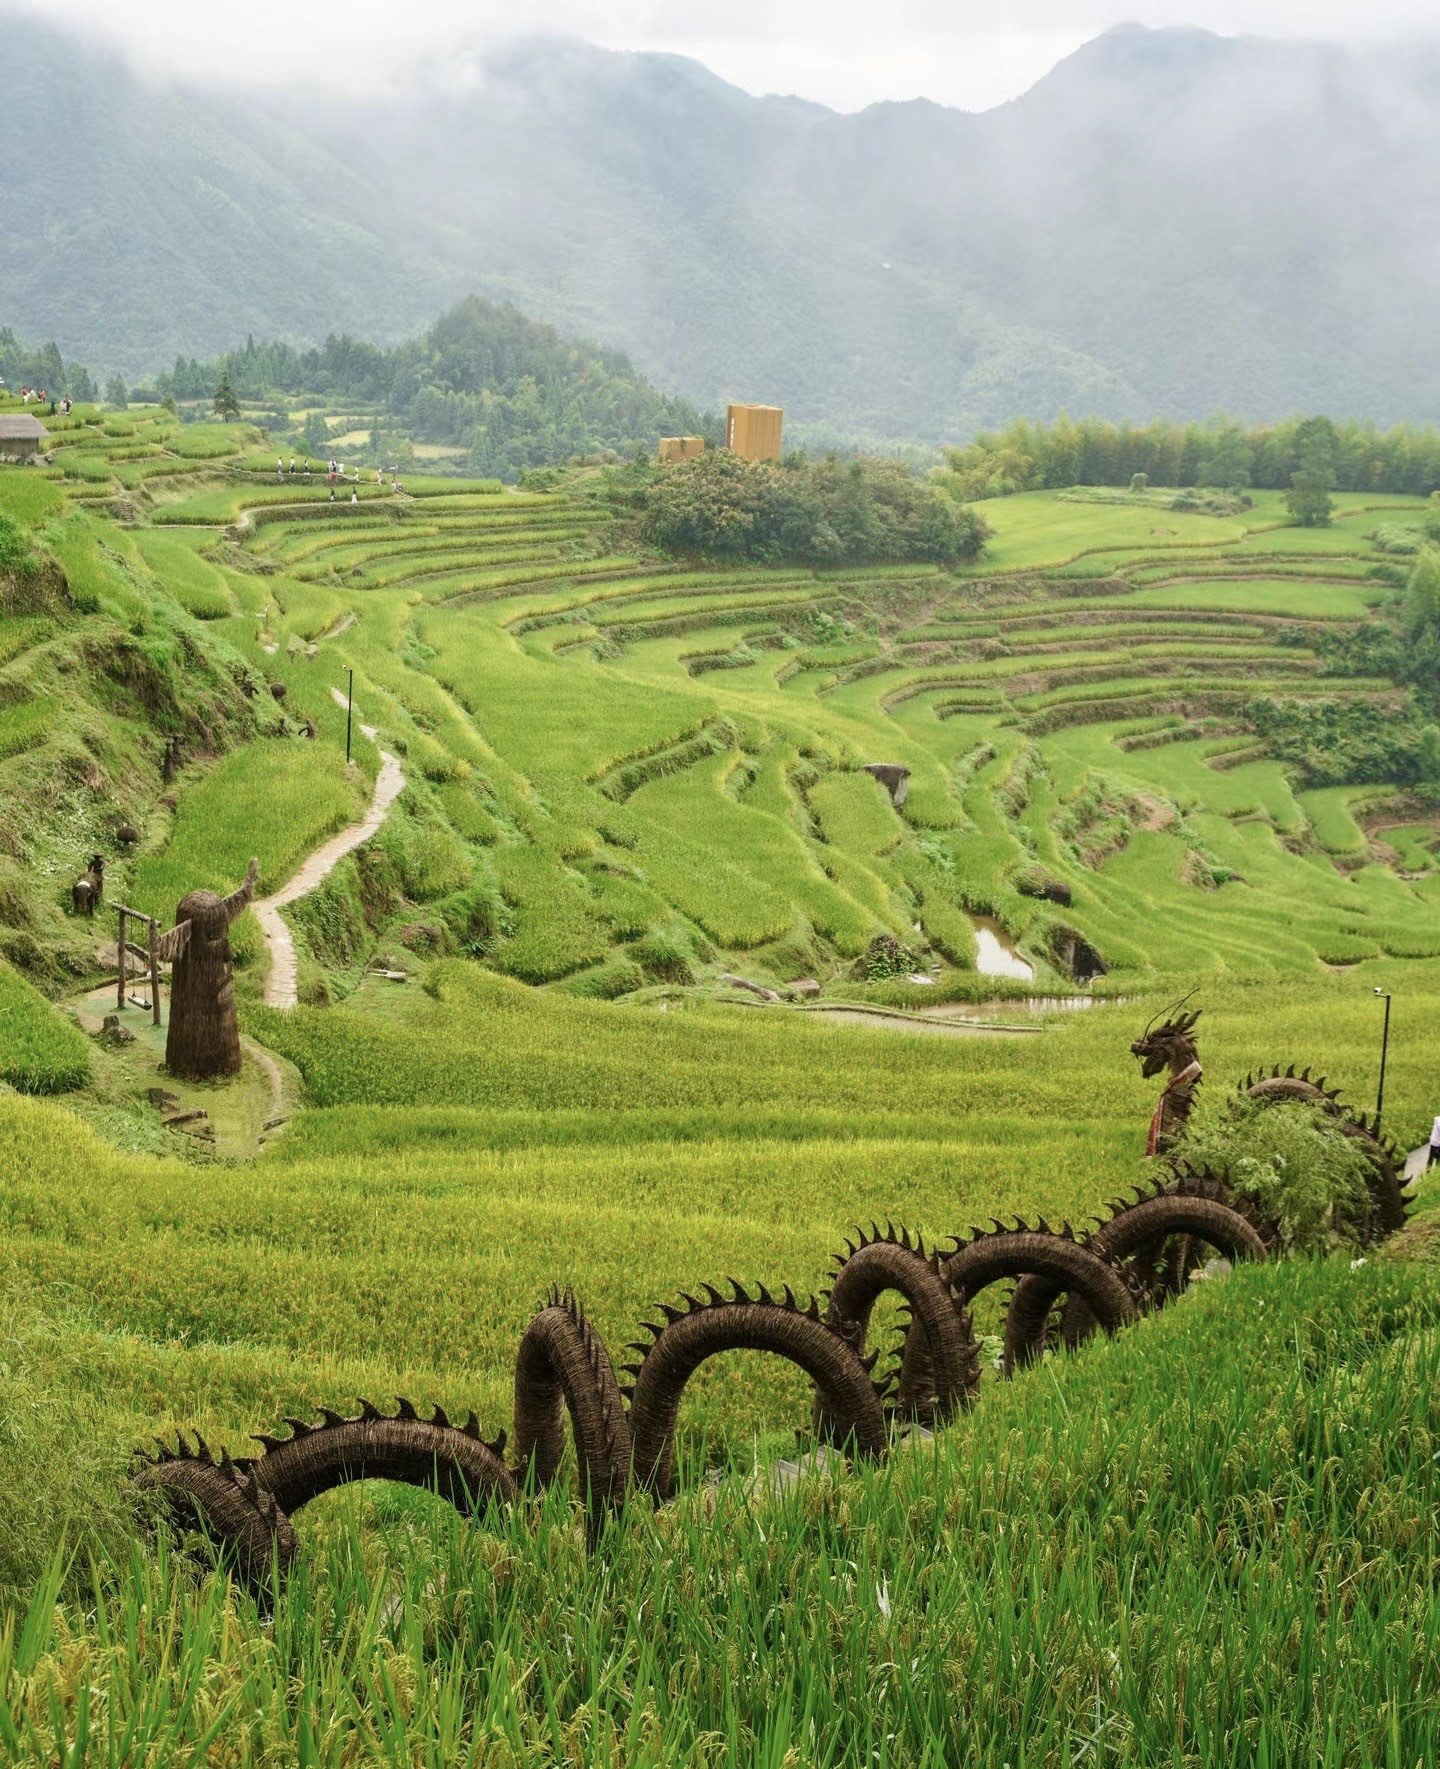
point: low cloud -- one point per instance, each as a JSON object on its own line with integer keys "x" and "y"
{"x": 846, "y": 53}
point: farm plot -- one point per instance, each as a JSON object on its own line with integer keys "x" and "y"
{"x": 694, "y": 737}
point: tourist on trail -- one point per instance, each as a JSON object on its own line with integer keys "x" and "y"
{"x": 292, "y": 463}
{"x": 332, "y": 492}
{"x": 1434, "y": 1144}
{"x": 354, "y": 497}
{"x": 279, "y": 468}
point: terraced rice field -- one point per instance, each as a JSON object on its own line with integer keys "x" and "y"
{"x": 628, "y": 745}
{"x": 652, "y": 743}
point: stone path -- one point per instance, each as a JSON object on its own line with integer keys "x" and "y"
{"x": 280, "y": 988}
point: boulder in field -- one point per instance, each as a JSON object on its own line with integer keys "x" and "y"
{"x": 894, "y": 777}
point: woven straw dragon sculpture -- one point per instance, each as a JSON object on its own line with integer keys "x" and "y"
{"x": 623, "y": 1418}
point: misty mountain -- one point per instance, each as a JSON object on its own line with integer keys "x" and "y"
{"x": 1170, "y": 222}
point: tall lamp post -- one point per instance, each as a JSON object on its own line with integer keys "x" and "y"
{"x": 1384, "y": 1053}
{"x": 349, "y": 709}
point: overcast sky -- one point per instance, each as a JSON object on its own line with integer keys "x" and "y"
{"x": 845, "y": 53}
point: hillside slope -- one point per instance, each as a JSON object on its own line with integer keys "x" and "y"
{"x": 1169, "y": 221}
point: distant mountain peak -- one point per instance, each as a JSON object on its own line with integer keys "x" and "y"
{"x": 1171, "y": 222}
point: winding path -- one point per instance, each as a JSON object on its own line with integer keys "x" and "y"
{"x": 280, "y": 989}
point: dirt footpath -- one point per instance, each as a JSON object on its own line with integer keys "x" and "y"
{"x": 280, "y": 984}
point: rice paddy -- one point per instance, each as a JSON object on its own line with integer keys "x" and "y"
{"x": 1210, "y": 1540}
{"x": 690, "y": 730}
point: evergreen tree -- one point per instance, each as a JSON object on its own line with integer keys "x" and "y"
{"x": 1422, "y": 595}
{"x": 1316, "y": 448}
{"x": 1430, "y": 753}
{"x": 116, "y": 393}
{"x": 1224, "y": 458}
{"x": 227, "y": 406}
{"x": 1308, "y": 499}
{"x": 316, "y": 436}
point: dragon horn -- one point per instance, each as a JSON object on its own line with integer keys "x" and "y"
{"x": 1174, "y": 1007}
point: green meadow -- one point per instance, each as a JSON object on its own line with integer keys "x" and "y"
{"x": 628, "y": 777}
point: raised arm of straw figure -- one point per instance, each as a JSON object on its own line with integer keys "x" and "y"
{"x": 1170, "y": 1045}
{"x": 204, "y": 1037}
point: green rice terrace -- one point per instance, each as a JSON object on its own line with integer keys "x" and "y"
{"x": 668, "y": 921}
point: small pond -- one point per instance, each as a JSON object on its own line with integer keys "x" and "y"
{"x": 995, "y": 953}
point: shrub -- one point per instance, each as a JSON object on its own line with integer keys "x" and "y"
{"x": 1295, "y": 1161}
{"x": 883, "y": 959}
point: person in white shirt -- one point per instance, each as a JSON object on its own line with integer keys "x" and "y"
{"x": 1434, "y": 1144}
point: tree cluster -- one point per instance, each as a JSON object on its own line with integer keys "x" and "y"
{"x": 511, "y": 393}
{"x": 22, "y": 365}
{"x": 1349, "y": 742}
{"x": 1327, "y": 455}
{"x": 831, "y": 512}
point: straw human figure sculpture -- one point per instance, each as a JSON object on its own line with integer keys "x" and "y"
{"x": 204, "y": 1036}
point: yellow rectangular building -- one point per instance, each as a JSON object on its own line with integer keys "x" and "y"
{"x": 681, "y": 448}
{"x": 754, "y": 431}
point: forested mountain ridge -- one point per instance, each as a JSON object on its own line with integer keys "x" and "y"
{"x": 1169, "y": 221}
{"x": 511, "y": 392}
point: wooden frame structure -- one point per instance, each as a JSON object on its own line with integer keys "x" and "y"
{"x": 681, "y": 448}
{"x": 754, "y": 431}
{"x": 125, "y": 946}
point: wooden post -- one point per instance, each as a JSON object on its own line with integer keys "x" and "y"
{"x": 122, "y": 953}
{"x": 154, "y": 973}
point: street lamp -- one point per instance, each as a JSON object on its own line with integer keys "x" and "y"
{"x": 349, "y": 707}
{"x": 1384, "y": 994}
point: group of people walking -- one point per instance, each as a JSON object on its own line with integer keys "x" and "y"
{"x": 38, "y": 396}
{"x": 335, "y": 474}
